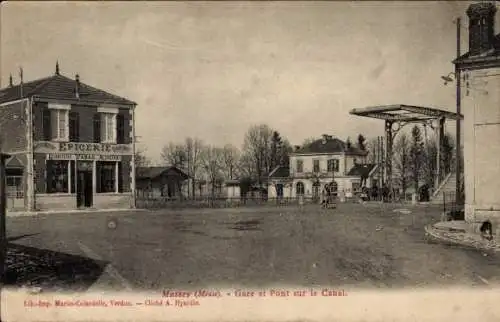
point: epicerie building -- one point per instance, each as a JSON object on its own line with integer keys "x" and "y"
{"x": 71, "y": 145}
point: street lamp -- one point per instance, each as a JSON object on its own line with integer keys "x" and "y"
{"x": 448, "y": 78}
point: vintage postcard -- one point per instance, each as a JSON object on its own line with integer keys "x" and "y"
{"x": 250, "y": 161}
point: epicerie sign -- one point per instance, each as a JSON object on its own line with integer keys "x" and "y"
{"x": 88, "y": 157}
{"x": 85, "y": 147}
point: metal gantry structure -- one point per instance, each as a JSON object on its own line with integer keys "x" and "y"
{"x": 396, "y": 117}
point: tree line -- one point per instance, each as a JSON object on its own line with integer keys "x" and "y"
{"x": 264, "y": 148}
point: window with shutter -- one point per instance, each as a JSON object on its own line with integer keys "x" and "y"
{"x": 120, "y": 129}
{"x": 316, "y": 168}
{"x": 46, "y": 123}
{"x": 59, "y": 124}
{"x": 108, "y": 127}
{"x": 97, "y": 128}
{"x": 74, "y": 127}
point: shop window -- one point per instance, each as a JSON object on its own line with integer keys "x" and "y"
{"x": 106, "y": 177}
{"x": 57, "y": 176}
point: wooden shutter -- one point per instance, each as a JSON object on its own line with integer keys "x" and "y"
{"x": 97, "y": 128}
{"x": 46, "y": 124}
{"x": 74, "y": 127}
{"x": 54, "y": 123}
{"x": 120, "y": 129}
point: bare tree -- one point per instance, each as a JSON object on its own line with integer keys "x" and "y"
{"x": 212, "y": 162}
{"x": 402, "y": 158}
{"x": 174, "y": 154}
{"x": 417, "y": 155}
{"x": 361, "y": 142}
{"x": 246, "y": 166}
{"x": 373, "y": 151}
{"x": 185, "y": 156}
{"x": 141, "y": 160}
{"x": 193, "y": 148}
{"x": 257, "y": 148}
{"x": 308, "y": 141}
{"x": 429, "y": 161}
{"x": 231, "y": 157}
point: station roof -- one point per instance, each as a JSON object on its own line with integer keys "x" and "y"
{"x": 404, "y": 113}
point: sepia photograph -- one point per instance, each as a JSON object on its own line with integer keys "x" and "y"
{"x": 249, "y": 160}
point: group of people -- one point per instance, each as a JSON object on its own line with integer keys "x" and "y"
{"x": 376, "y": 193}
{"x": 385, "y": 194}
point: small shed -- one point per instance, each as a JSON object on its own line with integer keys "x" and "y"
{"x": 160, "y": 181}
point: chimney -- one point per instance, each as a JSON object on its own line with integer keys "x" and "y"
{"x": 77, "y": 86}
{"x": 11, "y": 84}
{"x": 297, "y": 147}
{"x": 57, "y": 67}
{"x": 325, "y": 138}
{"x": 481, "y": 27}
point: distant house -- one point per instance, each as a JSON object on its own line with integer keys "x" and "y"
{"x": 362, "y": 175}
{"x": 232, "y": 189}
{"x": 319, "y": 163}
{"x": 157, "y": 182}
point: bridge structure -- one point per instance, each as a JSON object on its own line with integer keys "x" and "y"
{"x": 397, "y": 116}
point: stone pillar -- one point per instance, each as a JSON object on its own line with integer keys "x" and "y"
{"x": 117, "y": 180}
{"x": 94, "y": 177}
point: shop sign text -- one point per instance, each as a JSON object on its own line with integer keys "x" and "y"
{"x": 89, "y": 157}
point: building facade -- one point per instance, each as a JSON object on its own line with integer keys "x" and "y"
{"x": 319, "y": 163}
{"x": 72, "y": 145}
{"x": 480, "y": 71}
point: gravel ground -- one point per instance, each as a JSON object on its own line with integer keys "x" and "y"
{"x": 370, "y": 245}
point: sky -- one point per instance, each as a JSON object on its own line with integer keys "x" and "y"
{"x": 213, "y": 69}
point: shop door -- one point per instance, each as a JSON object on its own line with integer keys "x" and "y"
{"x": 84, "y": 189}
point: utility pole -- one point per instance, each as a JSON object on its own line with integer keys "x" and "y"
{"x": 3, "y": 216}
{"x": 458, "y": 134}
